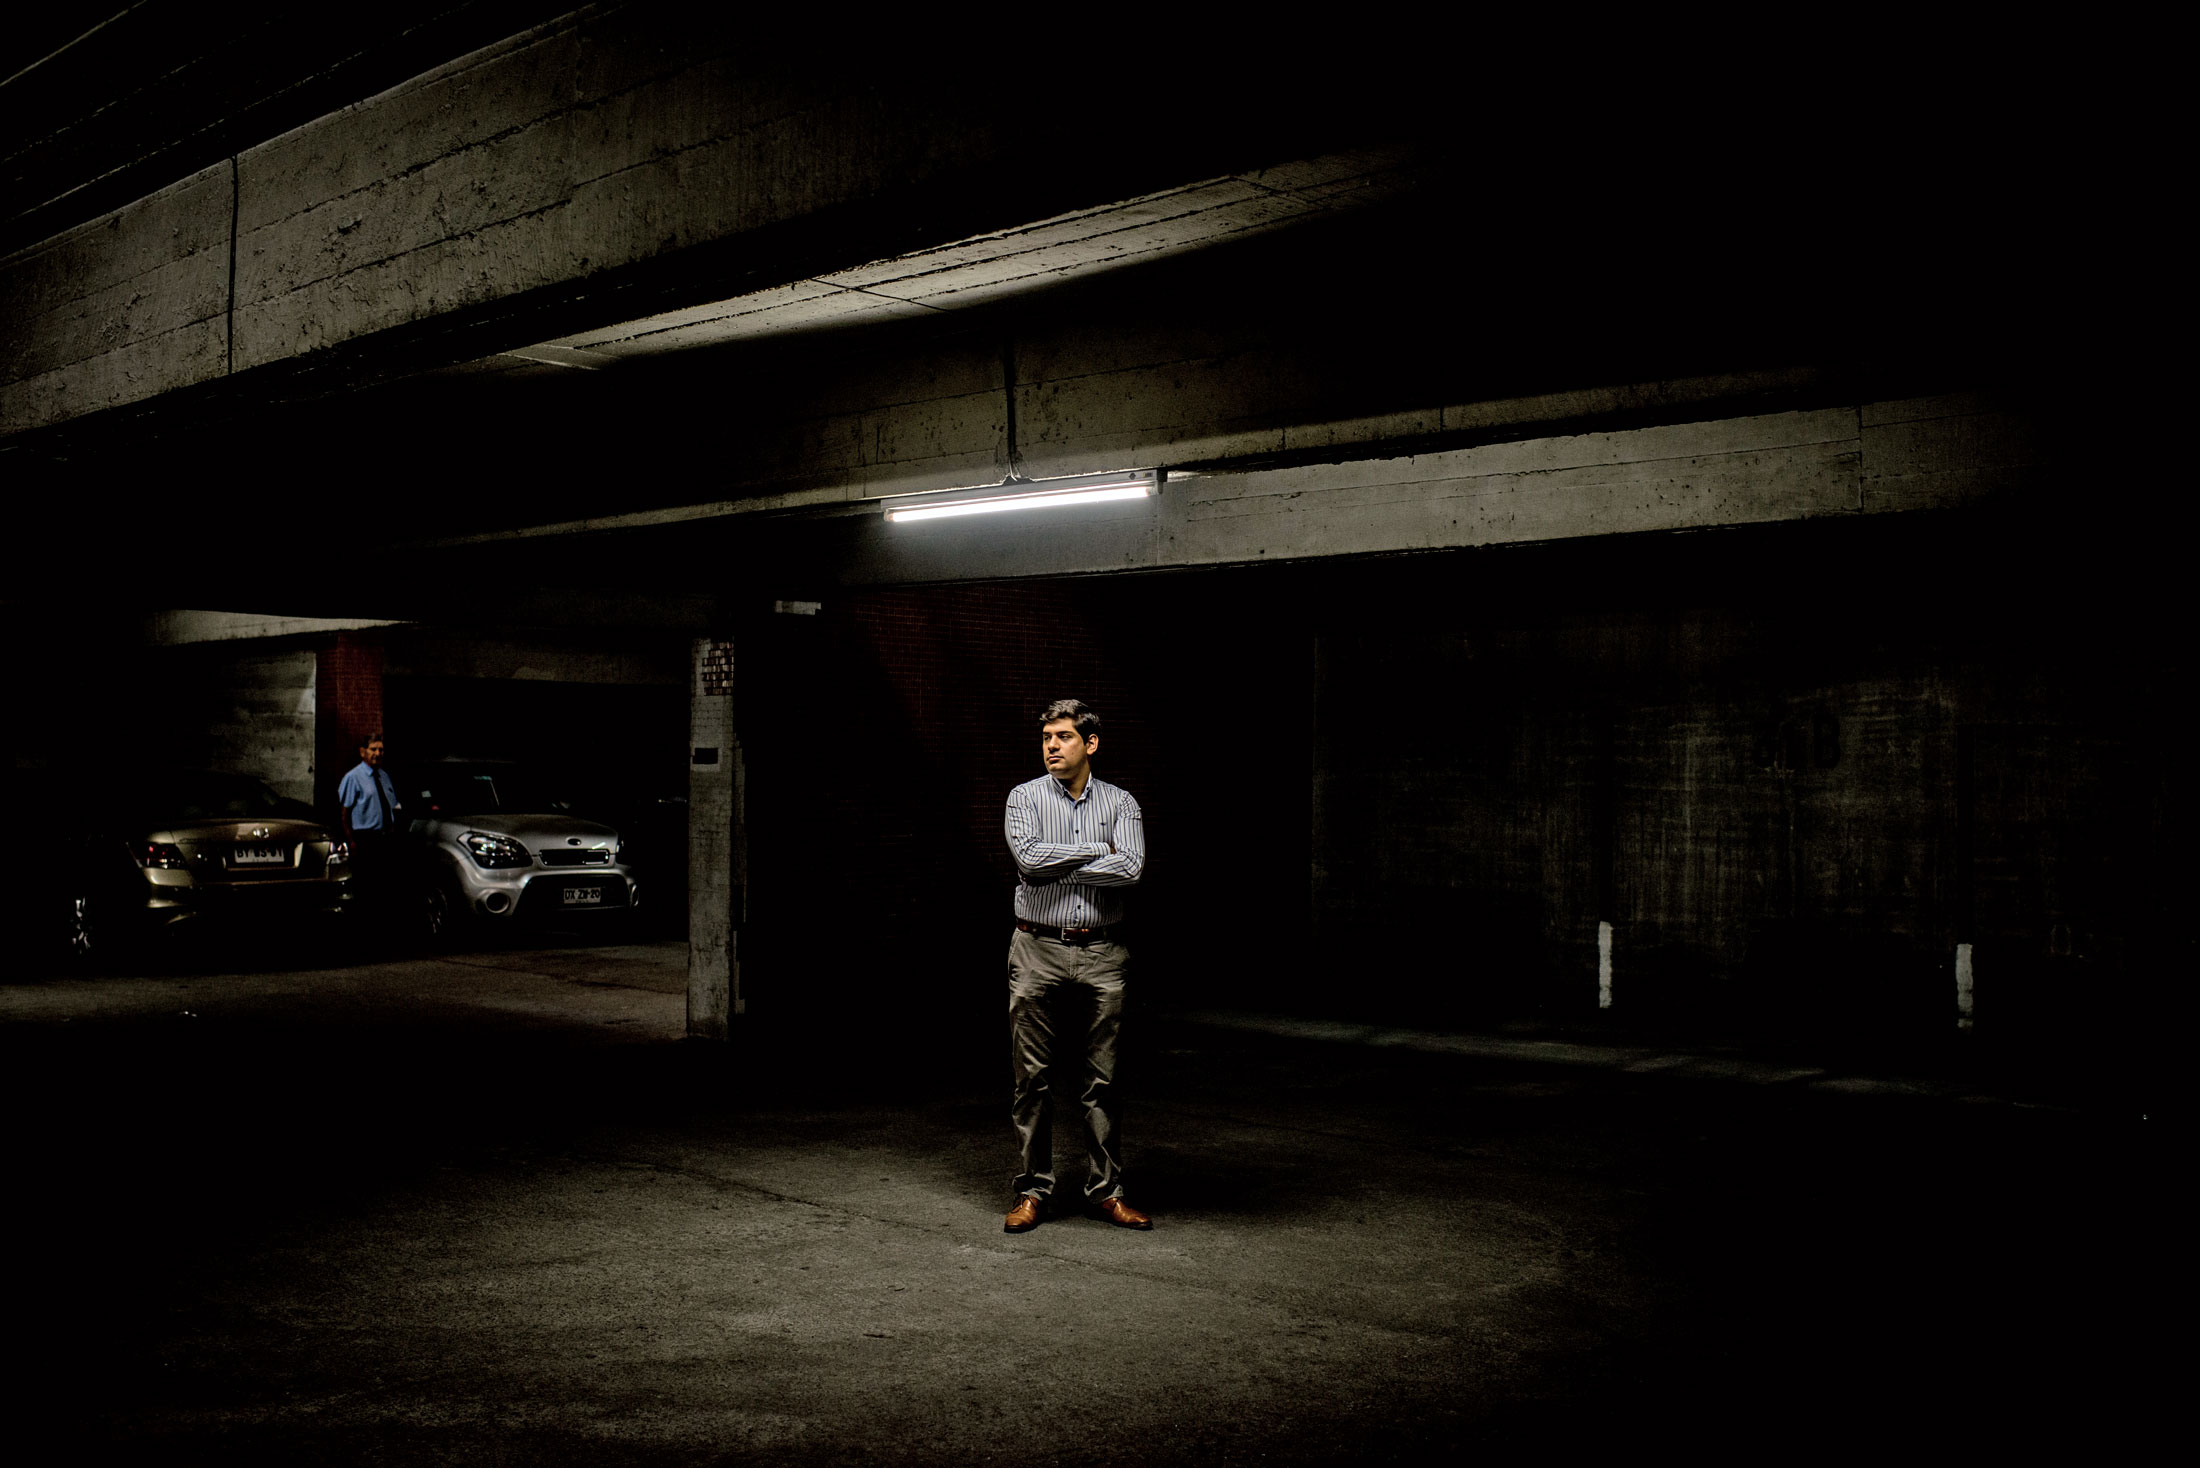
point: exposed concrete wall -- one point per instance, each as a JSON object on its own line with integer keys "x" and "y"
{"x": 120, "y": 309}
{"x": 1773, "y": 844}
{"x": 250, "y": 710}
{"x": 1790, "y": 806}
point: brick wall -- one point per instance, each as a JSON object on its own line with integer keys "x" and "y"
{"x": 968, "y": 672}
{"x": 350, "y": 707}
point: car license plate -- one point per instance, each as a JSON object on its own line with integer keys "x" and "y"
{"x": 584, "y": 897}
{"x": 259, "y": 856}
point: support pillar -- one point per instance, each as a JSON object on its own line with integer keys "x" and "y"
{"x": 717, "y": 846}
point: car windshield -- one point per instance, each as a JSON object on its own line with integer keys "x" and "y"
{"x": 201, "y": 795}
{"x": 461, "y": 790}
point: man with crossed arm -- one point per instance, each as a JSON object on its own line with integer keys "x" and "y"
{"x": 1079, "y": 842}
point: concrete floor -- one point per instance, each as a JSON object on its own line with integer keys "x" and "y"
{"x": 492, "y": 1208}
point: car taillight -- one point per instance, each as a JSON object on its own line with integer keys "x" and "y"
{"x": 339, "y": 852}
{"x": 161, "y": 854}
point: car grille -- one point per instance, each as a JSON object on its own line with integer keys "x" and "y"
{"x": 575, "y": 858}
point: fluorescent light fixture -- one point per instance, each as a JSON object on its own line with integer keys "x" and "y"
{"x": 1029, "y": 494}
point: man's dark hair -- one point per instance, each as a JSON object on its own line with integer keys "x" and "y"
{"x": 374, "y": 738}
{"x": 1087, "y": 722}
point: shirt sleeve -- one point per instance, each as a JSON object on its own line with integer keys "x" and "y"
{"x": 1042, "y": 862}
{"x": 1127, "y": 863}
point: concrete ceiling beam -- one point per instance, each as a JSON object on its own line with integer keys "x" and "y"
{"x": 608, "y": 167}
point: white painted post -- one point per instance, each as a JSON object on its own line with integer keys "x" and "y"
{"x": 1604, "y": 965}
{"x": 1963, "y": 986}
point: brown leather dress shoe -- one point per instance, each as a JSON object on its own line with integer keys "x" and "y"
{"x": 1122, "y": 1215}
{"x": 1023, "y": 1217}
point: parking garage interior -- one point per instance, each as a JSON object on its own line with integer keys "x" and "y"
{"x": 1666, "y": 899}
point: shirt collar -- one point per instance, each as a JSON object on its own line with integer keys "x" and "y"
{"x": 1062, "y": 789}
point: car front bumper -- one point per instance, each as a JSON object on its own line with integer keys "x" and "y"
{"x": 537, "y": 894}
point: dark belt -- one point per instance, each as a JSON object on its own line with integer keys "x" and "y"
{"x": 1079, "y": 936}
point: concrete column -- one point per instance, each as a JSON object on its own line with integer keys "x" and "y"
{"x": 717, "y": 846}
{"x": 1604, "y": 965}
{"x": 1964, "y": 1004}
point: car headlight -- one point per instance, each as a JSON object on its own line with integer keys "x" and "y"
{"x": 494, "y": 851}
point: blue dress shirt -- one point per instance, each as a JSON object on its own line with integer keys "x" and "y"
{"x": 367, "y": 793}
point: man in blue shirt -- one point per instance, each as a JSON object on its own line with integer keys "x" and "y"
{"x": 1079, "y": 844}
{"x": 372, "y": 818}
{"x": 368, "y": 796}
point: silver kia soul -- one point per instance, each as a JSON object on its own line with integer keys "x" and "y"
{"x": 500, "y": 843}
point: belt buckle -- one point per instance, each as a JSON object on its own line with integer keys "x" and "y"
{"x": 1084, "y": 936}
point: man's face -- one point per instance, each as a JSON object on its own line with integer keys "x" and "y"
{"x": 372, "y": 754}
{"x": 1066, "y": 751}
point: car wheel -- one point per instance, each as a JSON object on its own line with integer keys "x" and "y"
{"x": 436, "y": 919}
{"x": 83, "y": 938}
{"x": 93, "y": 942}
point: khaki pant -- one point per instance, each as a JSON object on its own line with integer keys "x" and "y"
{"x": 1064, "y": 1000}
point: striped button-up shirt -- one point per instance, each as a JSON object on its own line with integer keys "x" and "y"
{"x": 1069, "y": 878}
